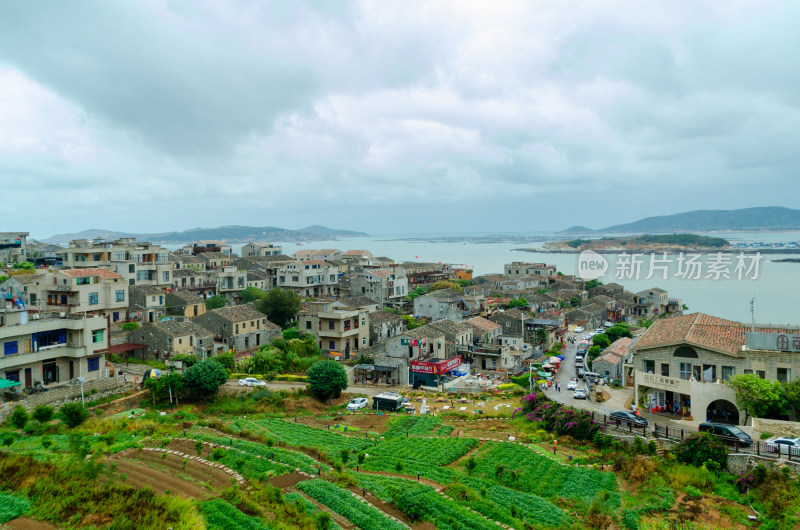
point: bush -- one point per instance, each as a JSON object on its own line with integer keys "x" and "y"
{"x": 33, "y": 427}
{"x": 699, "y": 448}
{"x": 19, "y": 417}
{"x": 326, "y": 380}
{"x": 43, "y": 413}
{"x": 73, "y": 414}
{"x": 204, "y": 379}
{"x": 130, "y": 326}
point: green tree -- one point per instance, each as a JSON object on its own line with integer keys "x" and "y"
{"x": 25, "y": 265}
{"x": 618, "y": 331}
{"x": 251, "y": 294}
{"x": 601, "y": 340}
{"x": 326, "y": 380}
{"x": 187, "y": 359}
{"x": 760, "y": 398}
{"x": 575, "y": 301}
{"x": 43, "y": 413}
{"x": 19, "y": 417}
{"x": 792, "y": 394}
{"x": 541, "y": 336}
{"x": 701, "y": 447}
{"x": 444, "y": 284}
{"x": 592, "y": 283}
{"x": 204, "y": 379}
{"x": 217, "y": 301}
{"x": 226, "y": 359}
{"x": 593, "y": 353}
{"x": 516, "y": 303}
{"x": 73, "y": 414}
{"x": 160, "y": 386}
{"x": 280, "y": 306}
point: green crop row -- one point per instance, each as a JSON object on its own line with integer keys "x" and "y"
{"x": 223, "y": 516}
{"x": 297, "y": 435}
{"x": 520, "y": 468}
{"x": 416, "y": 426}
{"x": 364, "y": 516}
{"x": 249, "y": 467}
{"x": 276, "y": 454}
{"x": 12, "y": 507}
{"x": 307, "y": 505}
{"x": 431, "y": 451}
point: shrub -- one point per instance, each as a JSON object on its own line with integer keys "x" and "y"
{"x": 32, "y": 427}
{"x": 693, "y": 492}
{"x": 73, "y": 414}
{"x": 19, "y": 417}
{"x": 699, "y": 448}
{"x": 43, "y": 413}
{"x": 204, "y": 379}
{"x": 130, "y": 326}
{"x": 327, "y": 379}
{"x": 8, "y": 439}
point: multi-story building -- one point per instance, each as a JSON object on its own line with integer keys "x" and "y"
{"x": 425, "y": 273}
{"x": 357, "y": 257}
{"x": 518, "y": 269}
{"x": 340, "y": 332}
{"x": 514, "y": 323}
{"x": 185, "y": 303}
{"x": 261, "y": 249}
{"x": 683, "y": 363}
{"x": 240, "y": 327}
{"x": 257, "y": 279}
{"x": 13, "y": 247}
{"x": 383, "y": 325}
{"x": 23, "y": 287}
{"x": 324, "y": 254}
{"x": 269, "y": 265}
{"x": 227, "y": 280}
{"x": 200, "y": 247}
{"x": 387, "y": 287}
{"x": 50, "y": 348}
{"x": 146, "y": 303}
{"x": 97, "y": 292}
{"x": 172, "y": 337}
{"x": 139, "y": 263}
{"x": 440, "y": 304}
{"x": 216, "y": 260}
{"x": 309, "y": 278}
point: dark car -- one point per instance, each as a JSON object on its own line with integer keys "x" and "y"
{"x": 624, "y": 417}
{"x": 730, "y": 434}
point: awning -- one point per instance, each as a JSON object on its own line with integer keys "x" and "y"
{"x": 365, "y": 367}
{"x": 122, "y": 348}
{"x": 384, "y": 368}
{"x": 5, "y": 383}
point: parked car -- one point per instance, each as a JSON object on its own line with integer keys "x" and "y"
{"x": 251, "y": 381}
{"x": 784, "y": 446}
{"x": 599, "y": 331}
{"x": 580, "y": 373}
{"x": 607, "y": 324}
{"x": 357, "y": 403}
{"x": 579, "y": 394}
{"x": 626, "y": 417}
{"x": 573, "y": 384}
{"x": 579, "y": 329}
{"x": 730, "y": 434}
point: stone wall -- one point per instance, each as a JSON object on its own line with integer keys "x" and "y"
{"x": 67, "y": 394}
{"x": 739, "y": 463}
{"x": 777, "y": 427}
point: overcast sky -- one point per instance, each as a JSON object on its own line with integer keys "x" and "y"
{"x": 392, "y": 117}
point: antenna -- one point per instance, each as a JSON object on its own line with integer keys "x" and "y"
{"x": 752, "y": 314}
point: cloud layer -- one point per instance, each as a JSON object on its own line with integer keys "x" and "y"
{"x": 394, "y": 116}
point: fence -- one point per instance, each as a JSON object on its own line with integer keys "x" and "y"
{"x": 737, "y": 445}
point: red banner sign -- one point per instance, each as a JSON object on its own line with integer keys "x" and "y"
{"x": 422, "y": 367}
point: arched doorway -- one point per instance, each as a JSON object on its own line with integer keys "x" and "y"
{"x": 722, "y": 411}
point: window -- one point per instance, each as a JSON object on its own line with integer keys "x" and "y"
{"x": 308, "y": 324}
{"x": 363, "y": 321}
{"x": 331, "y": 325}
{"x": 83, "y": 281}
{"x": 664, "y": 369}
{"x": 363, "y": 341}
{"x": 166, "y": 276}
{"x": 93, "y": 364}
{"x": 93, "y": 299}
{"x": 728, "y": 372}
{"x": 709, "y": 373}
{"x": 748, "y": 372}
{"x": 282, "y": 279}
{"x": 10, "y": 348}
{"x": 686, "y": 371}
{"x": 116, "y": 316}
{"x": 33, "y": 298}
{"x": 784, "y": 374}
{"x": 685, "y": 351}
{"x": 131, "y": 268}
{"x": 50, "y": 338}
{"x": 120, "y": 295}
{"x": 13, "y": 375}
{"x": 295, "y": 279}
{"x": 761, "y": 373}
{"x": 650, "y": 367}
{"x": 97, "y": 336}
{"x": 332, "y": 344}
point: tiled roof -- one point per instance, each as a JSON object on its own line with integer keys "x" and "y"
{"x": 383, "y": 316}
{"x": 185, "y": 273}
{"x": 104, "y": 274}
{"x": 239, "y": 313}
{"x": 145, "y": 289}
{"x": 697, "y": 329}
{"x": 27, "y": 279}
{"x": 174, "y": 328}
{"x": 381, "y": 273}
{"x": 619, "y": 347}
{"x": 423, "y": 331}
{"x": 443, "y": 295}
{"x": 313, "y": 252}
{"x": 482, "y": 325}
{"x": 255, "y": 275}
{"x": 357, "y": 301}
{"x": 186, "y": 296}
{"x": 273, "y": 326}
{"x": 513, "y": 314}
{"x": 315, "y": 262}
{"x": 208, "y": 256}
{"x": 356, "y": 252}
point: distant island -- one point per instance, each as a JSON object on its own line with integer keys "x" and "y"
{"x": 228, "y": 234}
{"x": 644, "y": 243}
{"x": 761, "y": 219}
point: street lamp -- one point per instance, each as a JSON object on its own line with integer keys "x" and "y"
{"x": 83, "y": 401}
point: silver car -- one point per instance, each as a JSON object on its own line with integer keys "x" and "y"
{"x": 784, "y": 446}
{"x": 579, "y": 394}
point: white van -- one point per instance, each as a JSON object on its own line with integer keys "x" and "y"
{"x": 591, "y": 376}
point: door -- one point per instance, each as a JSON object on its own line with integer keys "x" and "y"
{"x": 71, "y": 370}
{"x": 483, "y": 364}
{"x": 28, "y": 378}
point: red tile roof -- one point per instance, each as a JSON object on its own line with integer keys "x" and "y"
{"x": 91, "y": 273}
{"x": 698, "y": 329}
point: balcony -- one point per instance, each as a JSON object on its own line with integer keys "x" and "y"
{"x": 63, "y": 288}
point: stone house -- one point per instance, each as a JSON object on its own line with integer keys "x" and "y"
{"x": 611, "y": 360}
{"x": 258, "y": 279}
{"x": 146, "y": 303}
{"x": 340, "y": 332}
{"x": 240, "y": 327}
{"x": 513, "y": 322}
{"x": 24, "y": 286}
{"x": 383, "y": 325}
{"x": 610, "y": 290}
{"x": 518, "y": 269}
{"x": 387, "y": 287}
{"x": 440, "y": 304}
{"x": 215, "y": 260}
{"x": 684, "y": 361}
{"x": 185, "y": 303}
{"x": 309, "y": 278}
{"x": 484, "y": 330}
{"x": 325, "y": 254}
{"x": 174, "y": 337}
{"x": 261, "y": 249}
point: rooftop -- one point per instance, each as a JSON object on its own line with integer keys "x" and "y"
{"x": 175, "y": 328}
{"x": 145, "y": 289}
{"x": 104, "y": 274}
{"x": 383, "y": 316}
{"x": 239, "y": 313}
{"x": 482, "y": 325}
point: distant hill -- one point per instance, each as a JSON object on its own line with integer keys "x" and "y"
{"x": 230, "y": 234}
{"x": 577, "y": 230}
{"x": 325, "y": 231}
{"x": 768, "y": 218}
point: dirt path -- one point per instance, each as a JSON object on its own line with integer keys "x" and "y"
{"x": 26, "y": 523}
{"x": 341, "y": 521}
{"x": 288, "y": 480}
